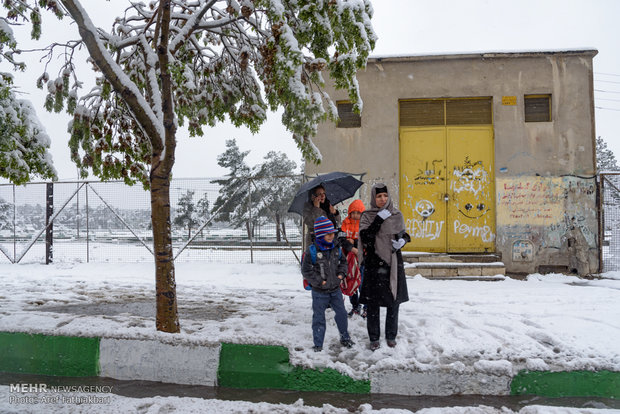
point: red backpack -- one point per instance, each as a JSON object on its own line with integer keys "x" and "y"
{"x": 354, "y": 276}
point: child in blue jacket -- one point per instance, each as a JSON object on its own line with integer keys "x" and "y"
{"x": 325, "y": 275}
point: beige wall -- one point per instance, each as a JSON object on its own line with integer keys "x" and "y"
{"x": 558, "y": 149}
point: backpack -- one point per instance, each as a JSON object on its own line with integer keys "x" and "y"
{"x": 353, "y": 279}
{"x": 354, "y": 276}
{"x": 312, "y": 250}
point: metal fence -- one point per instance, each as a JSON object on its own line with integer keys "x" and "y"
{"x": 609, "y": 190}
{"x": 94, "y": 221}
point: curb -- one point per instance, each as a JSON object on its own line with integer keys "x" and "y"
{"x": 151, "y": 360}
{"x": 259, "y": 366}
{"x": 49, "y": 355}
{"x": 269, "y": 367}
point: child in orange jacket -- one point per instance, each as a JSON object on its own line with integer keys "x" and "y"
{"x": 350, "y": 234}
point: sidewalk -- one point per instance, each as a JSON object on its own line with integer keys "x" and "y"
{"x": 248, "y": 326}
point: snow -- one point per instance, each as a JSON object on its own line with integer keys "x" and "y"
{"x": 111, "y": 403}
{"x": 547, "y": 322}
{"x": 6, "y": 28}
{"x": 562, "y": 322}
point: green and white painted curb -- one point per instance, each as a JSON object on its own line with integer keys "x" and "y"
{"x": 259, "y": 366}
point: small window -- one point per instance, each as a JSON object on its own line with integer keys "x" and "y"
{"x": 537, "y": 108}
{"x": 422, "y": 112}
{"x": 469, "y": 111}
{"x": 348, "y": 118}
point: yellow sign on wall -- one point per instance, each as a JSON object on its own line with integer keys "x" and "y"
{"x": 509, "y": 100}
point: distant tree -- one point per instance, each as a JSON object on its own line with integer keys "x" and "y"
{"x": 202, "y": 210}
{"x": 275, "y": 186}
{"x": 234, "y": 189}
{"x": 186, "y": 214}
{"x": 605, "y": 158}
{"x": 6, "y": 215}
{"x": 606, "y": 161}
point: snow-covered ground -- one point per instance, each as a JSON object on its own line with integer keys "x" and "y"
{"x": 550, "y": 322}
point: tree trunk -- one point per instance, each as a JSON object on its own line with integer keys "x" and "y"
{"x": 278, "y": 236}
{"x": 167, "y": 319}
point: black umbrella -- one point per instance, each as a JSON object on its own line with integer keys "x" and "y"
{"x": 338, "y": 186}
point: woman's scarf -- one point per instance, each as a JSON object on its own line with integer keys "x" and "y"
{"x": 391, "y": 227}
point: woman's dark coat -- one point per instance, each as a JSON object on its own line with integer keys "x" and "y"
{"x": 376, "y": 282}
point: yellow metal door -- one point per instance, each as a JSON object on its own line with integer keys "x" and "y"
{"x": 423, "y": 187}
{"x": 471, "y": 190}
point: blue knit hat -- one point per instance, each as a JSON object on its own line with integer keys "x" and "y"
{"x": 323, "y": 226}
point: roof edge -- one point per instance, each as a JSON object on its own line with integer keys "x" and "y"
{"x": 483, "y": 55}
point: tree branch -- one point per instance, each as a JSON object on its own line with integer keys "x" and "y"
{"x": 129, "y": 92}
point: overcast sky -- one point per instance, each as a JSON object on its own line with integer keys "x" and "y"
{"x": 404, "y": 27}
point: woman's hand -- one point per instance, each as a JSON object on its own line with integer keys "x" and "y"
{"x": 384, "y": 214}
{"x": 397, "y": 244}
{"x": 332, "y": 209}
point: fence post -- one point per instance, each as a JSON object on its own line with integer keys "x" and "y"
{"x": 251, "y": 228}
{"x": 601, "y": 218}
{"x": 14, "y": 228}
{"x": 77, "y": 211}
{"x": 87, "y": 228}
{"x": 49, "y": 232}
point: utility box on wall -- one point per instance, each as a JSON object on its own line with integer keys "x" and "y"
{"x": 483, "y": 152}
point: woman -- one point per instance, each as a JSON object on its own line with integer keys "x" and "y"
{"x": 318, "y": 205}
{"x": 382, "y": 232}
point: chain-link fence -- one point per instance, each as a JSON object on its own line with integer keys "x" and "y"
{"x": 609, "y": 183}
{"x": 220, "y": 220}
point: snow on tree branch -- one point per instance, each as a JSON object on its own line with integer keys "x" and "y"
{"x": 24, "y": 144}
{"x": 225, "y": 59}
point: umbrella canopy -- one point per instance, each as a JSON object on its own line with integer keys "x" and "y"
{"x": 338, "y": 186}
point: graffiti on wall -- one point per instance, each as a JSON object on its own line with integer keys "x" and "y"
{"x": 431, "y": 173}
{"x": 420, "y": 227}
{"x": 424, "y": 208}
{"x": 555, "y": 205}
{"x": 471, "y": 187}
{"x": 424, "y": 229}
{"x": 470, "y": 177}
{"x": 469, "y": 195}
{"x": 536, "y": 201}
{"x": 484, "y": 232}
{"x": 522, "y": 251}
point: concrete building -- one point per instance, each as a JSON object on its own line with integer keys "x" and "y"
{"x": 483, "y": 152}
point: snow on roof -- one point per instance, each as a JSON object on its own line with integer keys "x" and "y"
{"x": 484, "y": 54}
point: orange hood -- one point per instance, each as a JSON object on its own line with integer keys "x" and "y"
{"x": 357, "y": 205}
